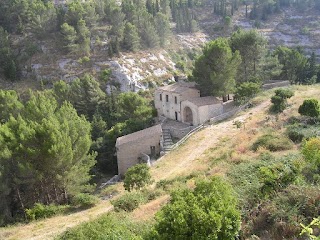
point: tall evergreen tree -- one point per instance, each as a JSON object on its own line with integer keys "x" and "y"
{"x": 131, "y": 40}
{"x": 162, "y": 27}
{"x": 215, "y": 70}
{"x": 250, "y": 45}
{"x": 43, "y": 151}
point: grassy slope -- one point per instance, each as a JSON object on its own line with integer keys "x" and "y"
{"x": 213, "y": 150}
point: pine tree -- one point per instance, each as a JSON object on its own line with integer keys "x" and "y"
{"x": 131, "y": 39}
{"x": 43, "y": 151}
{"x": 69, "y": 37}
{"x": 83, "y": 38}
{"x": 163, "y": 27}
{"x": 215, "y": 70}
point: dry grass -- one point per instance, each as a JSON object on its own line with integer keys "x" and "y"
{"x": 147, "y": 211}
{"x": 50, "y": 228}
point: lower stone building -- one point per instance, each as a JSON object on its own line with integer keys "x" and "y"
{"x": 137, "y": 147}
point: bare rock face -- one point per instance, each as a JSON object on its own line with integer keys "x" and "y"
{"x": 290, "y": 28}
{"x": 130, "y": 71}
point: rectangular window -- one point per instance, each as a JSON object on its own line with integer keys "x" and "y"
{"x": 175, "y": 100}
{"x": 176, "y": 115}
{"x": 167, "y": 98}
{"x": 160, "y": 97}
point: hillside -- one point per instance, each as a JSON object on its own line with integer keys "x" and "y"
{"x": 215, "y": 150}
{"x": 148, "y": 67}
{"x": 188, "y": 158}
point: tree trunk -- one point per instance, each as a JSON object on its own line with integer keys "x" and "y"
{"x": 21, "y": 202}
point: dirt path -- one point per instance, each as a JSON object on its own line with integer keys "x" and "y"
{"x": 183, "y": 160}
{"x": 50, "y": 228}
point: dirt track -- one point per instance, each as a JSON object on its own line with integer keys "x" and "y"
{"x": 184, "y": 159}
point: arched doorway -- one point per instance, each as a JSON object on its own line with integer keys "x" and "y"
{"x": 187, "y": 113}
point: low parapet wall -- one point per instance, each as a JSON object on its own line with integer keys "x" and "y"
{"x": 180, "y": 133}
{"x": 274, "y": 84}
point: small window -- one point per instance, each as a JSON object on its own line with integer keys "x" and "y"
{"x": 160, "y": 97}
{"x": 167, "y": 98}
{"x": 175, "y": 100}
{"x": 176, "y": 115}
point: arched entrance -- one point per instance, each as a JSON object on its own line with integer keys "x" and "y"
{"x": 187, "y": 115}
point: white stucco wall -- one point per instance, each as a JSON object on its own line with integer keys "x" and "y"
{"x": 203, "y": 113}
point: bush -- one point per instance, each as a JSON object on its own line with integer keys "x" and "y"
{"x": 208, "y": 212}
{"x": 181, "y": 65}
{"x": 245, "y": 91}
{"x": 84, "y": 200}
{"x": 44, "y": 211}
{"x": 310, "y": 108}
{"x": 272, "y": 142}
{"x": 176, "y": 183}
{"x": 279, "y": 100}
{"x": 280, "y": 215}
{"x": 128, "y": 202}
{"x": 108, "y": 226}
{"x": 295, "y": 136}
{"x": 277, "y": 176}
{"x": 298, "y": 132}
{"x": 137, "y": 177}
{"x": 150, "y": 195}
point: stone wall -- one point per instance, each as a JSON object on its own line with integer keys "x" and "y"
{"x": 180, "y": 133}
{"x": 273, "y": 84}
{"x": 128, "y": 154}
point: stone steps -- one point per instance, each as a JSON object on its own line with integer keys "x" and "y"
{"x": 167, "y": 140}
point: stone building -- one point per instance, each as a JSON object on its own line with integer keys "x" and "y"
{"x": 137, "y": 147}
{"x": 167, "y": 99}
{"x": 182, "y": 102}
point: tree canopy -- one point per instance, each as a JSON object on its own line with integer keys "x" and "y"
{"x": 215, "y": 70}
{"x": 44, "y": 152}
{"x": 251, "y": 46}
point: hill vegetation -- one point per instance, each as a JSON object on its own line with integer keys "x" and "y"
{"x": 57, "y": 140}
{"x": 270, "y": 185}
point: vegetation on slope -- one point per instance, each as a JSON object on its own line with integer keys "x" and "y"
{"x": 271, "y": 187}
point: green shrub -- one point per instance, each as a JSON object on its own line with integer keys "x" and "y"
{"x": 273, "y": 143}
{"x": 208, "y": 212}
{"x": 108, "y": 226}
{"x": 84, "y": 60}
{"x": 279, "y": 100}
{"x": 181, "y": 65}
{"x": 174, "y": 183}
{"x": 298, "y": 132}
{"x": 129, "y": 201}
{"x": 84, "y": 200}
{"x": 245, "y": 177}
{"x": 277, "y": 176}
{"x": 280, "y": 215}
{"x": 137, "y": 177}
{"x": 245, "y": 91}
{"x": 43, "y": 211}
{"x": 295, "y": 135}
{"x": 310, "y": 108}
{"x": 150, "y": 195}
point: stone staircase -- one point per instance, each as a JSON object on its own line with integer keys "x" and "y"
{"x": 167, "y": 140}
